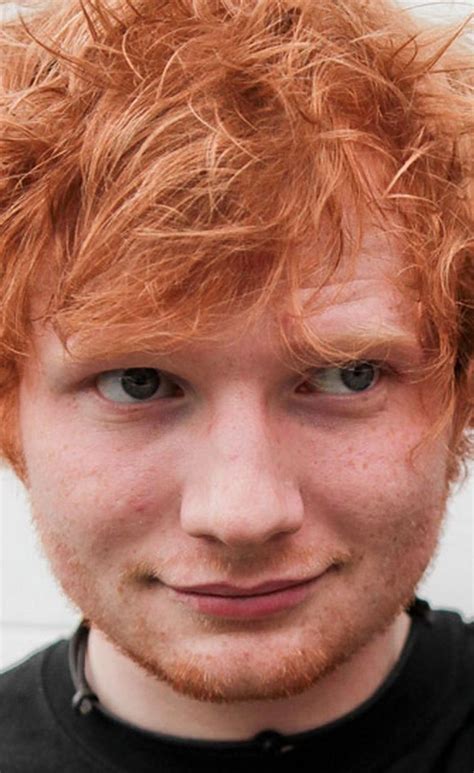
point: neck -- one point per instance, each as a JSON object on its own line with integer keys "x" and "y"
{"x": 134, "y": 696}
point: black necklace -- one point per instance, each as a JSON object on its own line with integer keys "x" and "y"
{"x": 84, "y": 699}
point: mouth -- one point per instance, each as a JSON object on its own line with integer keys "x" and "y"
{"x": 235, "y": 591}
{"x": 235, "y": 602}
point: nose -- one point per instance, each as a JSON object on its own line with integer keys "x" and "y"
{"x": 241, "y": 492}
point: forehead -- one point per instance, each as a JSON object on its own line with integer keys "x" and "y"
{"x": 366, "y": 297}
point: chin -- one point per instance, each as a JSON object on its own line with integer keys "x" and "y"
{"x": 237, "y": 677}
{"x": 261, "y": 664}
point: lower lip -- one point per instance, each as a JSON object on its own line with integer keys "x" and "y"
{"x": 247, "y": 607}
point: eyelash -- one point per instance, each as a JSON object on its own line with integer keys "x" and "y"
{"x": 382, "y": 368}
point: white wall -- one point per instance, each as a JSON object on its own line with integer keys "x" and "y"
{"x": 33, "y": 611}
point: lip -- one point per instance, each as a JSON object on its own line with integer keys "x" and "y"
{"x": 234, "y": 602}
{"x": 225, "y": 589}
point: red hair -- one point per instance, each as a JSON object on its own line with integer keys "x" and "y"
{"x": 161, "y": 160}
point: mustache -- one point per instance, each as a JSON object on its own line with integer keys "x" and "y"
{"x": 200, "y": 567}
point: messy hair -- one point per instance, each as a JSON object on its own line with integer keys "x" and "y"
{"x": 162, "y": 162}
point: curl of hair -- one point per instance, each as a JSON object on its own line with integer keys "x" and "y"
{"x": 161, "y": 160}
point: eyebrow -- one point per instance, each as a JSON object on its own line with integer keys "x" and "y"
{"x": 382, "y": 341}
{"x": 318, "y": 349}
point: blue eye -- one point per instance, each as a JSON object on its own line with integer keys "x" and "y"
{"x": 134, "y": 385}
{"x": 351, "y": 379}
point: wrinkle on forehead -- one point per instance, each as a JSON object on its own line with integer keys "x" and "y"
{"x": 379, "y": 272}
{"x": 381, "y": 258}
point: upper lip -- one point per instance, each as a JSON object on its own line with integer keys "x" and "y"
{"x": 225, "y": 589}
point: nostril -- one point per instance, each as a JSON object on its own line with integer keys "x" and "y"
{"x": 238, "y": 508}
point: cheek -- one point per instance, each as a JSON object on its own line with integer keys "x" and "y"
{"x": 94, "y": 491}
{"x": 380, "y": 486}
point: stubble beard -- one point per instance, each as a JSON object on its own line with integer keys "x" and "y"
{"x": 288, "y": 667}
{"x": 331, "y": 637}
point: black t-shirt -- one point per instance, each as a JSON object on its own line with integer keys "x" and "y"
{"x": 421, "y": 720}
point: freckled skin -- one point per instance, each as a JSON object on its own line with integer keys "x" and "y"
{"x": 242, "y": 485}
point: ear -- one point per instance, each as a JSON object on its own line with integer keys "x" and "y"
{"x": 11, "y": 451}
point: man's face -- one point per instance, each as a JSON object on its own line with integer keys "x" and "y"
{"x": 233, "y": 470}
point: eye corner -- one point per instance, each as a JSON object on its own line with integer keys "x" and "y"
{"x": 131, "y": 386}
{"x": 334, "y": 380}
